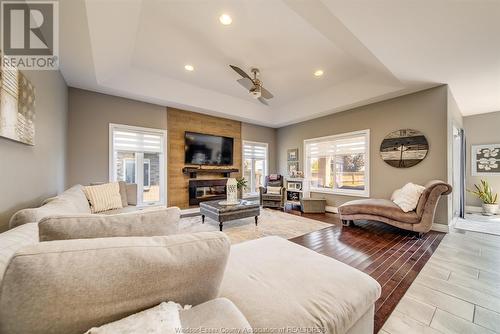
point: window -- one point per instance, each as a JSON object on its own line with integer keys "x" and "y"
{"x": 254, "y": 165}
{"x": 339, "y": 164}
{"x": 137, "y": 155}
{"x": 129, "y": 172}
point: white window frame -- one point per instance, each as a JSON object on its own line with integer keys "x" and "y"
{"x": 140, "y": 161}
{"x": 266, "y": 163}
{"x": 347, "y": 192}
{"x": 124, "y": 178}
{"x": 148, "y": 162}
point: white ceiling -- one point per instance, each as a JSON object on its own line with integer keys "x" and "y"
{"x": 369, "y": 50}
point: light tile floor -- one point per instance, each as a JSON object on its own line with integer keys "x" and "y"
{"x": 458, "y": 290}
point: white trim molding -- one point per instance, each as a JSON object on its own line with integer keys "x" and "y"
{"x": 440, "y": 228}
{"x": 346, "y": 192}
{"x": 139, "y": 153}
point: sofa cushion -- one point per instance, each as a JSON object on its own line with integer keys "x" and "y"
{"x": 145, "y": 223}
{"x": 123, "y": 193}
{"x": 271, "y": 197}
{"x": 103, "y": 197}
{"x": 70, "y": 286}
{"x": 276, "y": 283}
{"x": 161, "y": 319}
{"x": 71, "y": 201}
{"x": 130, "y": 208}
{"x": 12, "y": 240}
{"x": 378, "y": 207}
{"x": 214, "y": 314}
{"x": 274, "y": 190}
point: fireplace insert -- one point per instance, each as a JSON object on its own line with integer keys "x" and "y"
{"x": 206, "y": 190}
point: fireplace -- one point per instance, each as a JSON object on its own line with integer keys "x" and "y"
{"x": 206, "y": 190}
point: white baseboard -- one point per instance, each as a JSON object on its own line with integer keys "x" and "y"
{"x": 440, "y": 228}
{"x": 470, "y": 208}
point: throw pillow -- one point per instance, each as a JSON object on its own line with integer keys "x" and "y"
{"x": 274, "y": 190}
{"x": 143, "y": 223}
{"x": 123, "y": 193}
{"x": 161, "y": 319}
{"x": 103, "y": 197}
{"x": 407, "y": 197}
{"x": 395, "y": 194}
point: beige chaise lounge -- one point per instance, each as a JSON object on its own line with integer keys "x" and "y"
{"x": 383, "y": 210}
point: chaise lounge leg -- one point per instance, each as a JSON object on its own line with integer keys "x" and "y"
{"x": 420, "y": 234}
{"x": 346, "y": 222}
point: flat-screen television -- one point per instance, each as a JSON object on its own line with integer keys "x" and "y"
{"x": 202, "y": 149}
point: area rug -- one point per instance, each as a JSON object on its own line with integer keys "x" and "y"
{"x": 481, "y": 224}
{"x": 271, "y": 223}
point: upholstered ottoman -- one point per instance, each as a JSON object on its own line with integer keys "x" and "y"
{"x": 278, "y": 284}
{"x": 313, "y": 205}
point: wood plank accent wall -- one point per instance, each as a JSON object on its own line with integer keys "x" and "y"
{"x": 180, "y": 121}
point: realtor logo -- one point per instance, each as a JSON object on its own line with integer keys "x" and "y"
{"x": 30, "y": 32}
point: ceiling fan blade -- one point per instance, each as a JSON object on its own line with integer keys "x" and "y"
{"x": 265, "y": 93}
{"x": 245, "y": 82}
{"x": 240, "y": 72}
{"x": 263, "y": 101}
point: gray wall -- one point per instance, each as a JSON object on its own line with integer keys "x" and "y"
{"x": 265, "y": 135}
{"x": 481, "y": 129}
{"x": 89, "y": 117}
{"x": 30, "y": 174}
{"x": 88, "y": 131}
{"x": 425, "y": 111}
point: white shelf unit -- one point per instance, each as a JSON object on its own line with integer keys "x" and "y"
{"x": 294, "y": 190}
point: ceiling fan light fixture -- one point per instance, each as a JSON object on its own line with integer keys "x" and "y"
{"x": 255, "y": 92}
{"x": 318, "y": 73}
{"x": 225, "y": 19}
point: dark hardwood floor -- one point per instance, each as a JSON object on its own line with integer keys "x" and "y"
{"x": 392, "y": 256}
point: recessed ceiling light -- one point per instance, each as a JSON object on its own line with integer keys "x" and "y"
{"x": 189, "y": 68}
{"x": 318, "y": 73}
{"x": 225, "y": 19}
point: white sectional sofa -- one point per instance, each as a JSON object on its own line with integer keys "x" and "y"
{"x": 269, "y": 284}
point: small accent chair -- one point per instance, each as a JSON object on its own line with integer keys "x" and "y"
{"x": 272, "y": 200}
{"x": 386, "y": 211}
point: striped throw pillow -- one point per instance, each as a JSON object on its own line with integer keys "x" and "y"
{"x": 103, "y": 197}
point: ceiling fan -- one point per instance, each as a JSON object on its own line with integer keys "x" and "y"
{"x": 254, "y": 85}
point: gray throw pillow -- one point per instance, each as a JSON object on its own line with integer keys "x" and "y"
{"x": 142, "y": 223}
{"x": 123, "y": 193}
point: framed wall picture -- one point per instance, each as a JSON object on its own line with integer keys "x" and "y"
{"x": 485, "y": 159}
{"x": 17, "y": 107}
{"x": 293, "y": 154}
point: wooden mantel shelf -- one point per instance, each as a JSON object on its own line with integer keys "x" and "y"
{"x": 193, "y": 171}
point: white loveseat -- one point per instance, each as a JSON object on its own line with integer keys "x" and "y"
{"x": 71, "y": 201}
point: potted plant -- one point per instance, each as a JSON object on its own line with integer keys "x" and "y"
{"x": 241, "y": 184}
{"x": 486, "y": 195}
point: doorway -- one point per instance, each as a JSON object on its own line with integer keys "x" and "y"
{"x": 458, "y": 153}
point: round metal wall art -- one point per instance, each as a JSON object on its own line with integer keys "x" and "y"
{"x": 404, "y": 148}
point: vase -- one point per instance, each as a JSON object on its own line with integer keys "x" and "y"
{"x": 240, "y": 193}
{"x": 489, "y": 209}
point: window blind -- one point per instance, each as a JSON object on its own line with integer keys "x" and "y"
{"x": 336, "y": 146}
{"x": 137, "y": 141}
{"x": 254, "y": 151}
